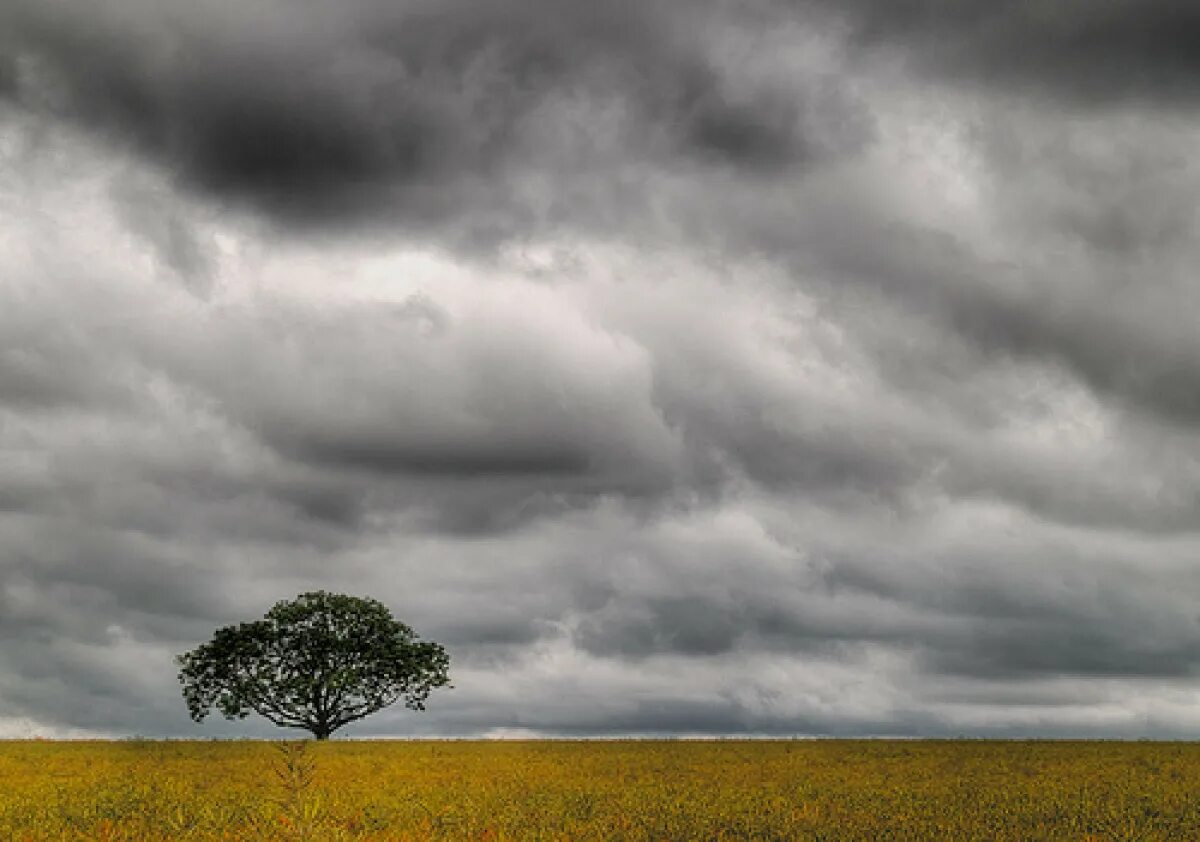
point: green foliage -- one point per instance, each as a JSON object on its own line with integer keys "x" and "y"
{"x": 318, "y": 662}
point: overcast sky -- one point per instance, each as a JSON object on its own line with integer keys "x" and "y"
{"x": 685, "y": 367}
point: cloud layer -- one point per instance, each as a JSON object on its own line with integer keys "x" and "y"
{"x": 684, "y": 368}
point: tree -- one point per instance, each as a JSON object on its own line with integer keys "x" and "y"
{"x": 317, "y": 662}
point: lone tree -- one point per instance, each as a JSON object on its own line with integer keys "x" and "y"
{"x": 317, "y": 662}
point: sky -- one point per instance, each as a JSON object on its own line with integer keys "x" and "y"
{"x": 783, "y": 367}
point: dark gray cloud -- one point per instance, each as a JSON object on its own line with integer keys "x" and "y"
{"x": 1020, "y": 312}
{"x": 415, "y": 113}
{"x": 826, "y": 370}
{"x": 1124, "y": 51}
{"x": 1021, "y": 608}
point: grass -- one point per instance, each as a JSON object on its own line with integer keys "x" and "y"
{"x": 723, "y": 790}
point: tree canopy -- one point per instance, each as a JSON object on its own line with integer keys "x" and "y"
{"x": 318, "y": 662}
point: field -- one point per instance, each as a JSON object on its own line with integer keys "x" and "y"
{"x": 843, "y": 790}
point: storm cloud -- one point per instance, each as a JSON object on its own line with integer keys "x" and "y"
{"x": 1091, "y": 53}
{"x": 684, "y": 368}
{"x": 417, "y": 114}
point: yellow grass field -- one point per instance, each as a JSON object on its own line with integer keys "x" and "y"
{"x": 721, "y": 790}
